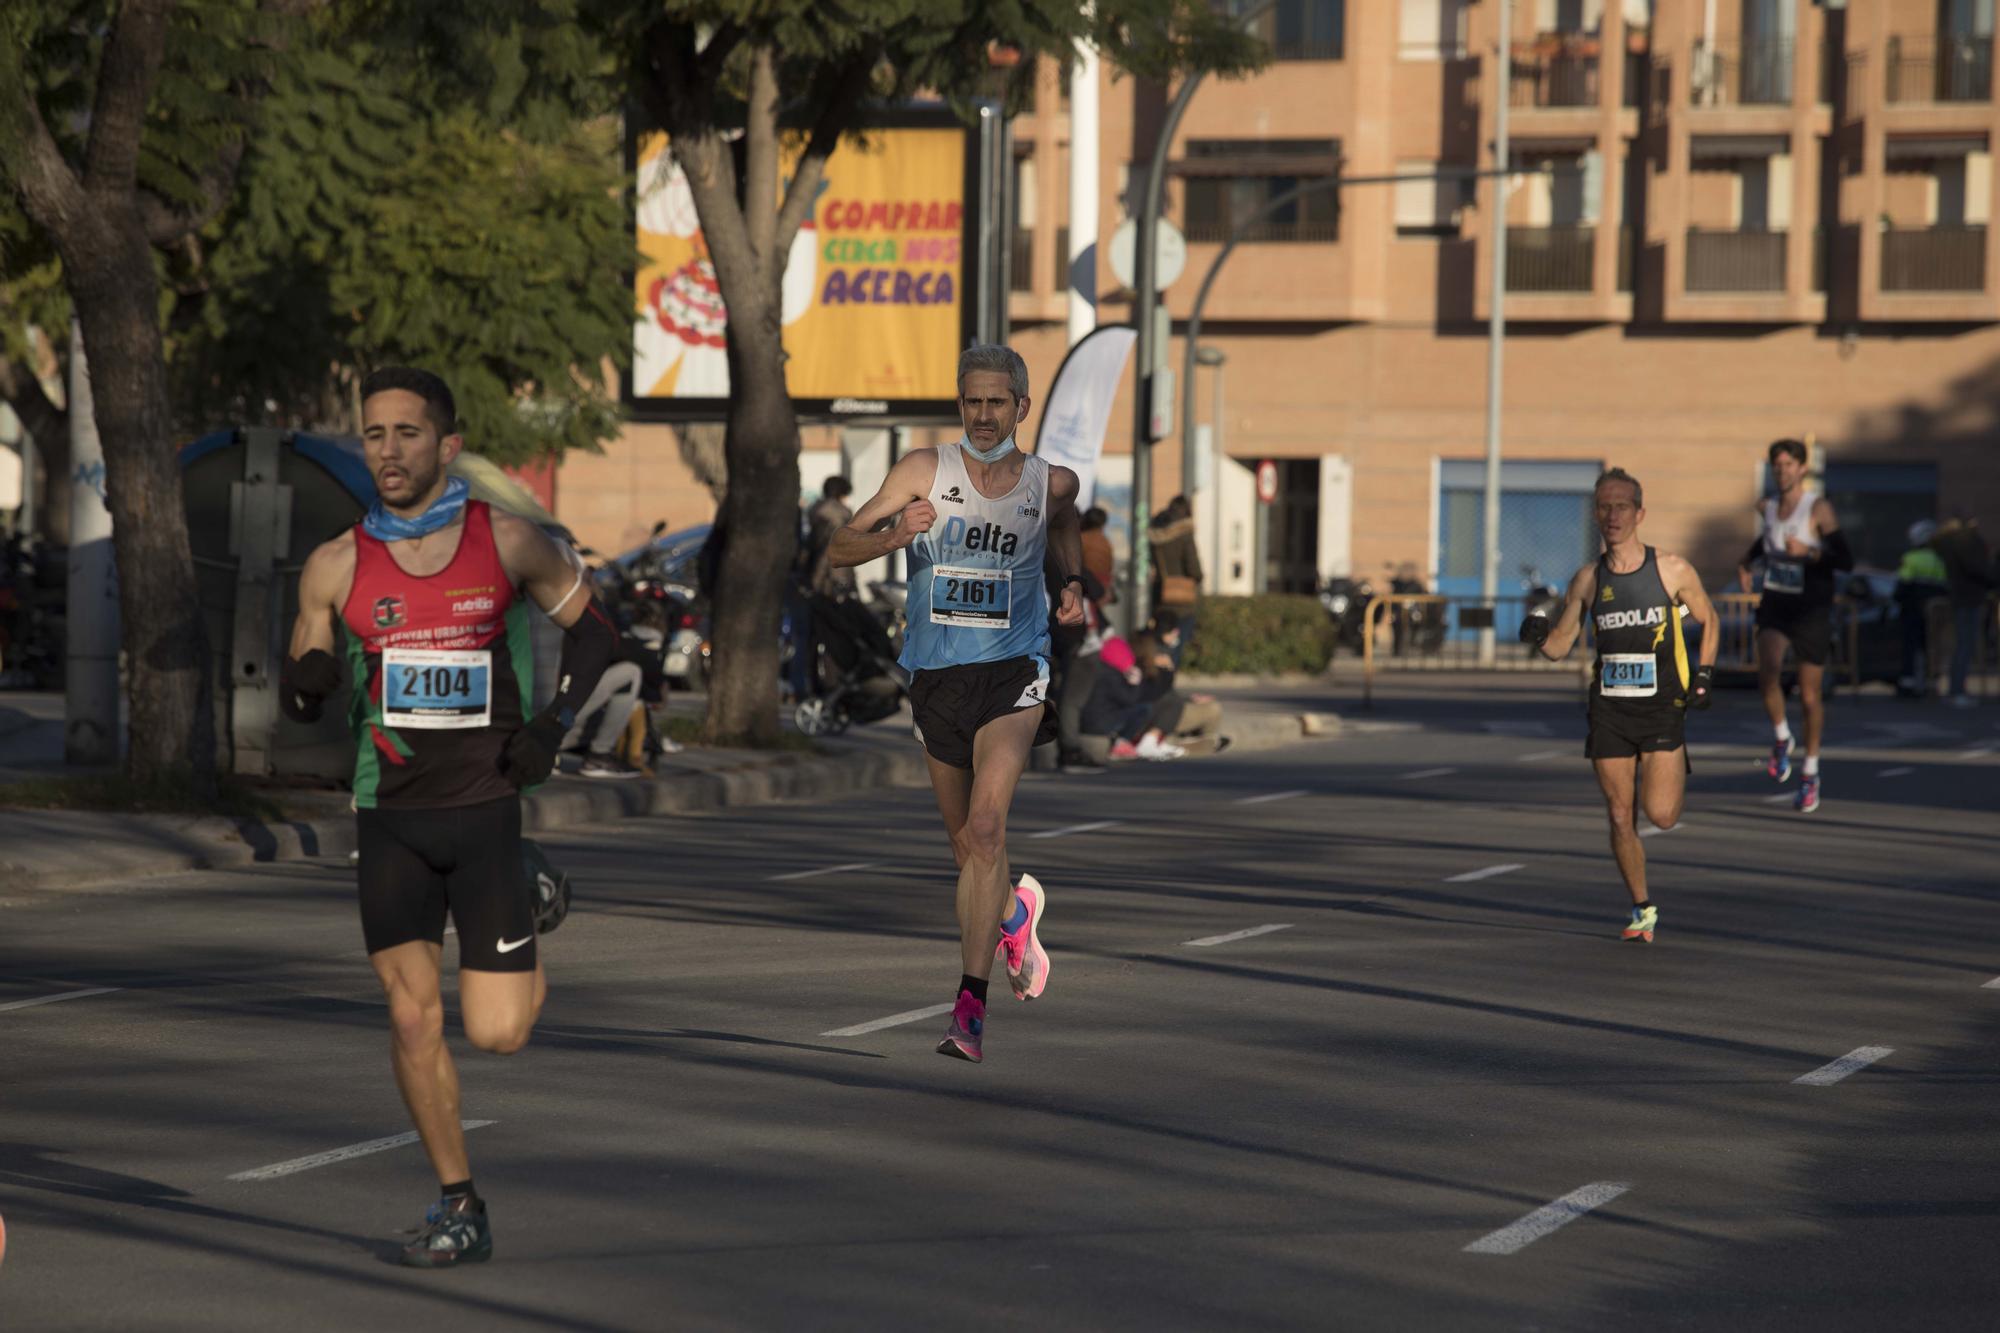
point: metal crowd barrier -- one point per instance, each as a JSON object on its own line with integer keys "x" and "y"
{"x": 1447, "y": 639}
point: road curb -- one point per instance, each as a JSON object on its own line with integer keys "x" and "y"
{"x": 76, "y": 849}
{"x": 86, "y": 849}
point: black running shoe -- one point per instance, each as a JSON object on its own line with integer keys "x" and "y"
{"x": 455, "y": 1231}
{"x": 548, "y": 887}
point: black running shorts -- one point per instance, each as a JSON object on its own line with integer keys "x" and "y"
{"x": 416, "y": 865}
{"x": 1809, "y": 626}
{"x": 1621, "y": 733}
{"x": 951, "y": 704}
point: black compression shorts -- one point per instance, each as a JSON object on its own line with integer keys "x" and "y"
{"x": 1622, "y": 733}
{"x": 952, "y": 703}
{"x": 416, "y": 865}
{"x": 1808, "y": 625}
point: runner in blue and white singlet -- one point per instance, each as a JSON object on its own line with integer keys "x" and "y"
{"x": 986, "y": 527}
{"x": 976, "y": 588}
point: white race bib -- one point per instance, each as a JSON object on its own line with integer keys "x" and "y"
{"x": 1630, "y": 676}
{"x": 1786, "y": 576}
{"x": 973, "y": 598}
{"x": 429, "y": 689}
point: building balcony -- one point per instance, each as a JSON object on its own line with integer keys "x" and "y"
{"x": 1543, "y": 78}
{"x": 1735, "y": 261}
{"x": 1933, "y": 71}
{"x": 1301, "y": 232}
{"x": 1550, "y": 259}
{"x": 1021, "y": 261}
{"x": 1934, "y": 259}
{"x": 1754, "y": 72}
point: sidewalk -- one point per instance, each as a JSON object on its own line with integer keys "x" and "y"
{"x": 55, "y": 849}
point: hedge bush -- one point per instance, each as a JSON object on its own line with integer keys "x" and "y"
{"x": 1261, "y": 635}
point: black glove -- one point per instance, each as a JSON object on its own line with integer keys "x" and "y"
{"x": 1702, "y": 692}
{"x": 306, "y": 683}
{"x": 530, "y": 753}
{"x": 1535, "y": 629}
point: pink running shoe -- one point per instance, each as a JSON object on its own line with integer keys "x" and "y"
{"x": 968, "y": 1023}
{"x": 1027, "y": 962}
{"x": 1122, "y": 749}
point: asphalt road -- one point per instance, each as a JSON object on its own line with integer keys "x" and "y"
{"x": 1359, "y": 1118}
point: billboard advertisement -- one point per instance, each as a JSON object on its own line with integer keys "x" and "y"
{"x": 880, "y": 289}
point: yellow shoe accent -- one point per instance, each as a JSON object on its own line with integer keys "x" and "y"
{"x": 1640, "y": 927}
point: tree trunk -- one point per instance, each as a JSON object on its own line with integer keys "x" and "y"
{"x": 171, "y": 713}
{"x": 761, "y": 513}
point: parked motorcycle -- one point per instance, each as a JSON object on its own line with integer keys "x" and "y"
{"x": 1346, "y": 601}
{"x": 1418, "y": 626}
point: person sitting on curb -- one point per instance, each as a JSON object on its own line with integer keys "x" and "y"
{"x": 1157, "y": 651}
{"x": 1136, "y": 717}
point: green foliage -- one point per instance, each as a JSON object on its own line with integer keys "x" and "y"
{"x": 1264, "y": 635}
{"x": 415, "y": 183}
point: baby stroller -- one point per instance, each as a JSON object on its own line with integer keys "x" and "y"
{"x": 857, "y": 675}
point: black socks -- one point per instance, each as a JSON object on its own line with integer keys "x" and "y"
{"x": 977, "y": 985}
{"x": 462, "y": 1195}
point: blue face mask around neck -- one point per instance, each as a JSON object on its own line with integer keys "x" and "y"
{"x": 385, "y": 526}
{"x": 993, "y": 455}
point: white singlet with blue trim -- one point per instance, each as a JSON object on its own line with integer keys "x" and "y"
{"x": 976, "y": 590}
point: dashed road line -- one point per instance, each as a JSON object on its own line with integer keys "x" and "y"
{"x": 1781, "y": 796}
{"x": 893, "y": 1020}
{"x": 352, "y": 1150}
{"x": 1550, "y": 1217}
{"x": 1654, "y": 830}
{"x": 1992, "y": 985}
{"x": 1538, "y": 756}
{"x": 59, "y": 997}
{"x": 1271, "y": 796}
{"x": 1901, "y": 772}
{"x": 1835, "y": 1070}
{"x": 1487, "y": 872}
{"x": 1426, "y": 773}
{"x": 822, "y": 870}
{"x": 1077, "y": 828}
{"x": 1210, "y": 941}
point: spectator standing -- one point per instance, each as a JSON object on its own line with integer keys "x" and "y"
{"x": 1920, "y": 580}
{"x": 825, "y": 518}
{"x": 1968, "y": 566}
{"x": 1100, "y": 562}
{"x": 1176, "y": 575}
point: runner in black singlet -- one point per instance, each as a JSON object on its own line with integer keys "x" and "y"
{"x": 1642, "y": 684}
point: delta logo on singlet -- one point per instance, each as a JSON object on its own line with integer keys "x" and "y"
{"x": 988, "y": 537}
{"x": 1631, "y": 619}
{"x": 389, "y": 612}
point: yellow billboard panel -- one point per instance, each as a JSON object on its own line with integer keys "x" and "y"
{"x": 875, "y": 301}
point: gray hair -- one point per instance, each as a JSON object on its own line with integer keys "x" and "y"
{"x": 992, "y": 356}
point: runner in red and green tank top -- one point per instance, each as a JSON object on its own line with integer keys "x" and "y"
{"x": 432, "y": 589}
{"x": 465, "y": 620}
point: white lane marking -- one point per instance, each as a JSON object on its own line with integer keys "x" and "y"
{"x": 1654, "y": 830}
{"x": 893, "y": 1020}
{"x": 1272, "y": 796}
{"x": 1832, "y": 1072}
{"x": 298, "y": 1164}
{"x": 1210, "y": 941}
{"x": 1992, "y": 985}
{"x": 1781, "y": 796}
{"x": 1549, "y": 1217}
{"x": 1488, "y": 873}
{"x": 1978, "y": 752}
{"x": 1902, "y": 772}
{"x": 1077, "y": 828}
{"x": 823, "y": 870}
{"x": 59, "y": 997}
{"x": 1427, "y": 773}
{"x": 1538, "y": 756}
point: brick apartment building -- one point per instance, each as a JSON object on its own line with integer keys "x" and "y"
{"x": 1732, "y": 221}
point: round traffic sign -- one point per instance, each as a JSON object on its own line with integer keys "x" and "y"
{"x": 1169, "y": 253}
{"x": 1267, "y": 481}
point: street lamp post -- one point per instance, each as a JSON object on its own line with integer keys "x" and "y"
{"x": 1489, "y": 573}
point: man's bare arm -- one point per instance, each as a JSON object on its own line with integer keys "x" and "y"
{"x": 541, "y": 568}
{"x": 310, "y": 674}
{"x": 1684, "y": 586}
{"x": 1066, "y": 541}
{"x": 902, "y": 497}
{"x": 1569, "y": 624}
